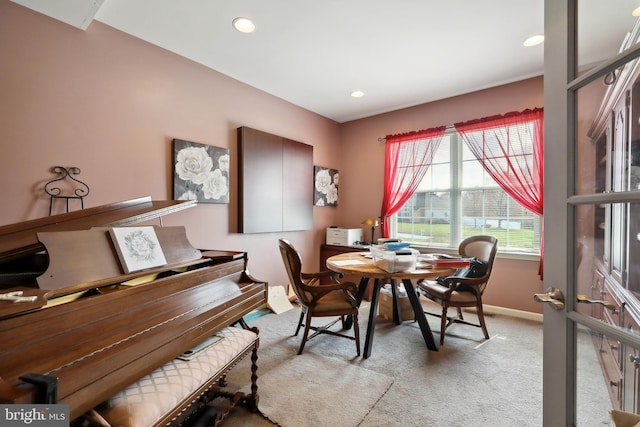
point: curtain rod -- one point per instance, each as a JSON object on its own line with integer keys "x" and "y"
{"x": 488, "y": 118}
{"x": 384, "y": 138}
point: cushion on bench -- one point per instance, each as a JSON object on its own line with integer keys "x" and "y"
{"x": 146, "y": 401}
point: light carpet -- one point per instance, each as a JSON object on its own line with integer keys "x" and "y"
{"x": 469, "y": 382}
{"x": 310, "y": 384}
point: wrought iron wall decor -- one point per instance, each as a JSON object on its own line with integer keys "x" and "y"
{"x": 66, "y": 187}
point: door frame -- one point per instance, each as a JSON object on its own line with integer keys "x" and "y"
{"x": 559, "y": 338}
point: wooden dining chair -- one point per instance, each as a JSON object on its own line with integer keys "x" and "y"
{"x": 337, "y": 299}
{"x": 466, "y": 286}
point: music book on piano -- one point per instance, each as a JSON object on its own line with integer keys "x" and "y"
{"x": 138, "y": 248}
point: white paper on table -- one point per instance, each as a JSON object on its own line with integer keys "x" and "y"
{"x": 348, "y": 262}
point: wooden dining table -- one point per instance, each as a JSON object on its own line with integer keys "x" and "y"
{"x": 361, "y": 264}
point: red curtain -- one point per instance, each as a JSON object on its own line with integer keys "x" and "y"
{"x": 407, "y": 159}
{"x": 511, "y": 148}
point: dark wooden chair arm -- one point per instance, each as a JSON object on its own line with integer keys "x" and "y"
{"x": 472, "y": 283}
{"x": 313, "y": 277}
{"x": 318, "y": 290}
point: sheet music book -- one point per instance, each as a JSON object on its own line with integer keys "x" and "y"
{"x": 138, "y": 248}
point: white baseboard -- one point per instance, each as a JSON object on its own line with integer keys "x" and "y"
{"x": 494, "y": 309}
{"x": 489, "y": 310}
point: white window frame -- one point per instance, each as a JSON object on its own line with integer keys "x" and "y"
{"x": 455, "y": 170}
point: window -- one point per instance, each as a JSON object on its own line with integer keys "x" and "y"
{"x": 457, "y": 198}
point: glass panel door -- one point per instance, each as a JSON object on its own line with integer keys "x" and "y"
{"x": 592, "y": 214}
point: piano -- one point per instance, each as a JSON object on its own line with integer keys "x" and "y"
{"x": 75, "y": 328}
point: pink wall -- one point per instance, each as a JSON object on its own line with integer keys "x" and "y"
{"x": 110, "y": 104}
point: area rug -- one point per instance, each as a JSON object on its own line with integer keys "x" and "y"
{"x": 309, "y": 389}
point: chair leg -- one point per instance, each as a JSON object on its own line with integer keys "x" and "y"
{"x": 300, "y": 321}
{"x": 305, "y": 316}
{"x": 356, "y": 331}
{"x": 481, "y": 319}
{"x": 443, "y": 324}
{"x": 307, "y": 326}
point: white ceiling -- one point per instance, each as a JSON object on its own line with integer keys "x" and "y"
{"x": 315, "y": 53}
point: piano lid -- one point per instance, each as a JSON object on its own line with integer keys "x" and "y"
{"x": 20, "y": 239}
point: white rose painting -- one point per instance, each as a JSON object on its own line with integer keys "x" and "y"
{"x": 325, "y": 191}
{"x": 201, "y": 172}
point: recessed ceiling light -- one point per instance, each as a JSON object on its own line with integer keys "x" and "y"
{"x": 357, "y": 94}
{"x": 636, "y": 11}
{"x": 244, "y": 25}
{"x": 534, "y": 40}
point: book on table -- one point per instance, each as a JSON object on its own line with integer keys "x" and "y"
{"x": 444, "y": 260}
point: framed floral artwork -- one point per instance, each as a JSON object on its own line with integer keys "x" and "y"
{"x": 325, "y": 184}
{"x": 200, "y": 172}
{"x": 138, "y": 248}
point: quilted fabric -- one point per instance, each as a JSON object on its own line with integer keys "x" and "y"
{"x": 143, "y": 403}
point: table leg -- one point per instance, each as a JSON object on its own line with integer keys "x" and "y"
{"x": 419, "y": 313}
{"x": 362, "y": 287}
{"x": 395, "y": 303}
{"x": 373, "y": 313}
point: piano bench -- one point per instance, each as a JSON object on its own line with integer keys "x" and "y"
{"x": 179, "y": 390}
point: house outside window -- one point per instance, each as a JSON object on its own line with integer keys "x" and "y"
{"x": 457, "y": 198}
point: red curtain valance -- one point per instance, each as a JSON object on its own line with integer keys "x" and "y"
{"x": 501, "y": 119}
{"x": 418, "y": 134}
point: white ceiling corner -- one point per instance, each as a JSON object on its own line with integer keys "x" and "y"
{"x": 77, "y": 13}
